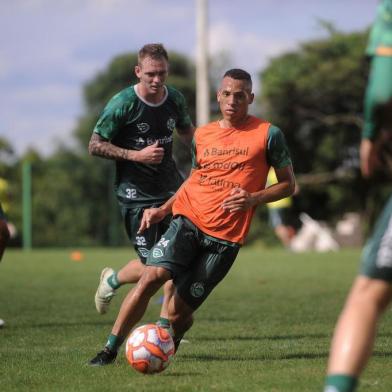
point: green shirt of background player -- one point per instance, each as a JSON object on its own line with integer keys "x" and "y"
{"x": 379, "y": 89}
{"x": 135, "y": 130}
{"x": 371, "y": 293}
{"x": 4, "y": 237}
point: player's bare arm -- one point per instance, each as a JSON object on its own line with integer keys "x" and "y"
{"x": 102, "y": 147}
{"x": 286, "y": 186}
{"x": 241, "y": 200}
{"x": 155, "y": 214}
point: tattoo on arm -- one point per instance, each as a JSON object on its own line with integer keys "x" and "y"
{"x": 103, "y": 148}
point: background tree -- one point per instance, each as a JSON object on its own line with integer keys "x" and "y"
{"x": 315, "y": 95}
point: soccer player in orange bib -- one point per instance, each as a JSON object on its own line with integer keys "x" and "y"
{"x": 212, "y": 211}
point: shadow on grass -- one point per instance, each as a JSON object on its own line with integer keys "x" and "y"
{"x": 260, "y": 358}
{"x": 62, "y": 324}
{"x": 181, "y": 374}
{"x": 265, "y": 337}
{"x": 263, "y": 358}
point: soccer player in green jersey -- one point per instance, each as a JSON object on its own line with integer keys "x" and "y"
{"x": 136, "y": 130}
{"x": 371, "y": 292}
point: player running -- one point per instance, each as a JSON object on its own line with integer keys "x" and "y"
{"x": 136, "y": 130}
{"x": 212, "y": 210}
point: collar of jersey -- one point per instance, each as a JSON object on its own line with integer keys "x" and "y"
{"x": 149, "y": 103}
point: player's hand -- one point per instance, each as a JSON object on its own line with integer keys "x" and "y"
{"x": 150, "y": 216}
{"x": 239, "y": 200}
{"x": 152, "y": 154}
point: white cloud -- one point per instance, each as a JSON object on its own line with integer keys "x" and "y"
{"x": 55, "y": 94}
{"x": 247, "y": 49}
{"x": 43, "y": 133}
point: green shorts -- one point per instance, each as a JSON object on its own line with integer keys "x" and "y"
{"x": 377, "y": 253}
{"x": 145, "y": 241}
{"x": 197, "y": 262}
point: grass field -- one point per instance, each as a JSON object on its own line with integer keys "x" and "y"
{"x": 267, "y": 327}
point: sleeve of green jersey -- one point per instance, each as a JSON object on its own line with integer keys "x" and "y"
{"x": 184, "y": 120}
{"x": 111, "y": 118}
{"x": 278, "y": 154}
{"x": 193, "y": 154}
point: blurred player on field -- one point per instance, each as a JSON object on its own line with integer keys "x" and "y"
{"x": 212, "y": 210}
{"x": 136, "y": 130}
{"x": 4, "y": 237}
{"x": 279, "y": 213}
{"x": 371, "y": 292}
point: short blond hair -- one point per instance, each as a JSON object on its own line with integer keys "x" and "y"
{"x": 155, "y": 51}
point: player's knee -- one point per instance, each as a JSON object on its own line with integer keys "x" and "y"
{"x": 153, "y": 278}
{"x": 372, "y": 291}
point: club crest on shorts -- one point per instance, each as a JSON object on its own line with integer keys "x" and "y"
{"x": 143, "y": 252}
{"x": 197, "y": 289}
{"x": 157, "y": 253}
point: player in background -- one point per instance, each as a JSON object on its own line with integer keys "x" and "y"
{"x": 355, "y": 332}
{"x": 212, "y": 211}
{"x": 279, "y": 213}
{"x": 136, "y": 131}
{"x": 4, "y": 237}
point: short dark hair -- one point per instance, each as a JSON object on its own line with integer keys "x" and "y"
{"x": 155, "y": 51}
{"x": 238, "y": 74}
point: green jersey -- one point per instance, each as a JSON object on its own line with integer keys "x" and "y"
{"x": 130, "y": 122}
{"x": 381, "y": 33}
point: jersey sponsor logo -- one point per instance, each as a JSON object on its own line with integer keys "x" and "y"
{"x": 224, "y": 165}
{"x": 171, "y": 124}
{"x": 218, "y": 182}
{"x": 140, "y": 141}
{"x": 157, "y": 253}
{"x": 234, "y": 151}
{"x": 143, "y": 252}
{"x": 197, "y": 289}
{"x": 143, "y": 127}
{"x": 161, "y": 140}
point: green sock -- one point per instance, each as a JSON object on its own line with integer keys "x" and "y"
{"x": 113, "y": 281}
{"x": 163, "y": 322}
{"x": 340, "y": 383}
{"x": 114, "y": 342}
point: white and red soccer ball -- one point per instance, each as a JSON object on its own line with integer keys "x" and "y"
{"x": 149, "y": 349}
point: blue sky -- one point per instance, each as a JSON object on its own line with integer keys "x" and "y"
{"x": 49, "y": 49}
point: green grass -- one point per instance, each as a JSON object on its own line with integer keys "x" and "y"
{"x": 267, "y": 327}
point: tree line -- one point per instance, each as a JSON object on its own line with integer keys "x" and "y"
{"x": 314, "y": 94}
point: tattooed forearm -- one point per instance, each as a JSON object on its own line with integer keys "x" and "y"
{"x": 103, "y": 148}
